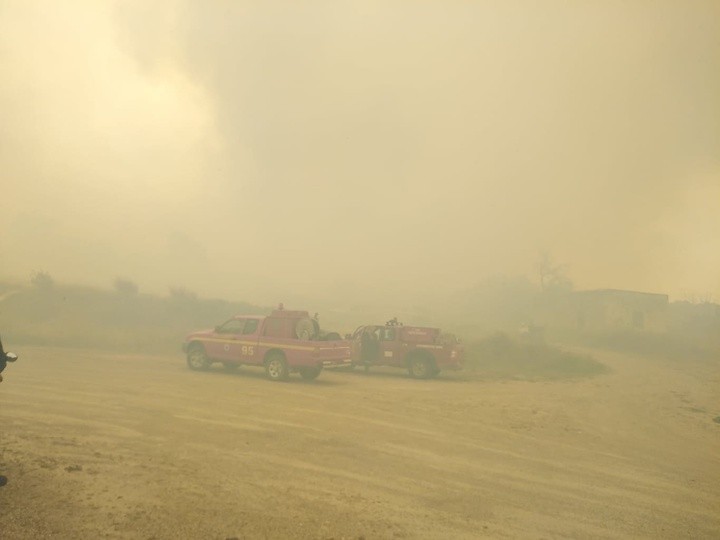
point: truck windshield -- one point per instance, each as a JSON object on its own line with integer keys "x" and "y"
{"x": 233, "y": 326}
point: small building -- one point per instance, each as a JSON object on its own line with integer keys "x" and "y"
{"x": 612, "y": 309}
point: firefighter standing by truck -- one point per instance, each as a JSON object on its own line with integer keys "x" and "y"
{"x": 369, "y": 347}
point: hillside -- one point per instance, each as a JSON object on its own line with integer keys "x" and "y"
{"x": 78, "y": 316}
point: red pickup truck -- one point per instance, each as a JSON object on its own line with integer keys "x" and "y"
{"x": 423, "y": 351}
{"x": 284, "y": 342}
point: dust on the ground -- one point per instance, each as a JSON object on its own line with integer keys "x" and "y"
{"x": 100, "y": 445}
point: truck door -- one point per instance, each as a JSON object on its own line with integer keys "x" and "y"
{"x": 249, "y": 353}
{"x": 225, "y": 346}
{"x": 355, "y": 346}
{"x": 390, "y": 350}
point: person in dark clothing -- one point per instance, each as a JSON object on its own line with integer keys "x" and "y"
{"x": 3, "y": 364}
{"x": 368, "y": 348}
{"x": 4, "y": 359}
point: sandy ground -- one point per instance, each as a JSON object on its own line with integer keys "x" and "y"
{"x": 100, "y": 445}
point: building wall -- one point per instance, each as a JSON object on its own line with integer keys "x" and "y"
{"x": 621, "y": 310}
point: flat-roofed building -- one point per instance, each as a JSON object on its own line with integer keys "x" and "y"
{"x": 613, "y": 309}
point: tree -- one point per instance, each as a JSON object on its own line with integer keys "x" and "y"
{"x": 182, "y": 295}
{"x": 693, "y": 297}
{"x": 552, "y": 276}
{"x": 126, "y": 287}
{"x": 42, "y": 281}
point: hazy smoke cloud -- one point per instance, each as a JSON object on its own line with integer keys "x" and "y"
{"x": 243, "y": 148}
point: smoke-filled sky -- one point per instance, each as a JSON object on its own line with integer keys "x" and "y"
{"x": 252, "y": 149}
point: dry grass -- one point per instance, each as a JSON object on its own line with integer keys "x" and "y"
{"x": 499, "y": 356}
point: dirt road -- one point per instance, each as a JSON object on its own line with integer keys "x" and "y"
{"x": 100, "y": 445}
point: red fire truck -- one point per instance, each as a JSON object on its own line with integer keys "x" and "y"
{"x": 423, "y": 351}
{"x": 284, "y": 342}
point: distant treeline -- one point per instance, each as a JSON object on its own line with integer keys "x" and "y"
{"x": 122, "y": 319}
{"x": 489, "y": 319}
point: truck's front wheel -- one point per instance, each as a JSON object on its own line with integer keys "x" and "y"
{"x": 310, "y": 373}
{"x": 197, "y": 360}
{"x": 276, "y": 367}
{"x": 420, "y": 367}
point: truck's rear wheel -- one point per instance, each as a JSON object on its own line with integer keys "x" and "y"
{"x": 197, "y": 360}
{"x": 310, "y": 373}
{"x": 276, "y": 367}
{"x": 420, "y": 367}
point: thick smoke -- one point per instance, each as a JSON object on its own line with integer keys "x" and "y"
{"x": 328, "y": 146}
